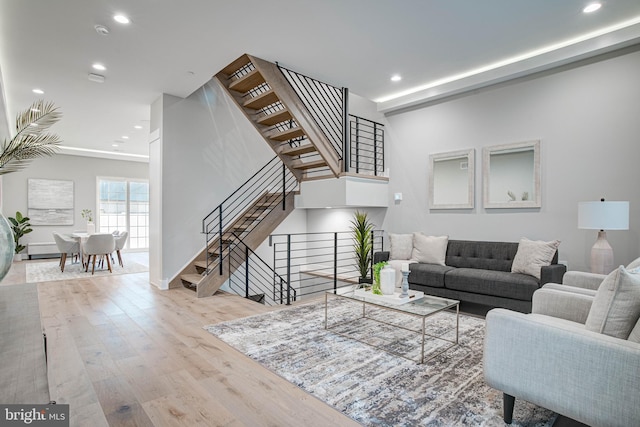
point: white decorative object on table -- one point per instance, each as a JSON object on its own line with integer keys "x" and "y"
{"x": 405, "y": 282}
{"x": 387, "y": 280}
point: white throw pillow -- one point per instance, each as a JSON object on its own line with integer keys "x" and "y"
{"x": 401, "y": 246}
{"x": 532, "y": 255}
{"x": 429, "y": 249}
{"x": 616, "y": 307}
{"x": 634, "y": 264}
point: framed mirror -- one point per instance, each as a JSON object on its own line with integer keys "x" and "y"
{"x": 451, "y": 180}
{"x": 511, "y": 175}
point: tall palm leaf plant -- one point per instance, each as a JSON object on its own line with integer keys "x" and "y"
{"x": 31, "y": 139}
{"x": 361, "y": 229}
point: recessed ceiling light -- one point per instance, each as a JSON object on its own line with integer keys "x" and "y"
{"x": 122, "y": 19}
{"x": 396, "y": 78}
{"x": 592, "y": 7}
{"x": 125, "y": 137}
{"x": 114, "y": 145}
{"x": 33, "y": 125}
{"x": 35, "y": 110}
{"x": 137, "y": 127}
{"x": 98, "y": 66}
{"x": 38, "y": 91}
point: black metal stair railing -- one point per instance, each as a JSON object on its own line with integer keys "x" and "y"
{"x": 314, "y": 263}
{"x": 269, "y": 186}
{"x": 253, "y": 278}
{"x": 366, "y": 146}
{"x": 326, "y": 103}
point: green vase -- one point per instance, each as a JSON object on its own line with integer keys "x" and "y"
{"x": 7, "y": 246}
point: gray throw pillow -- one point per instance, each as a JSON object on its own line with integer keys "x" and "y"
{"x": 616, "y": 306}
{"x": 532, "y": 255}
{"x": 401, "y": 246}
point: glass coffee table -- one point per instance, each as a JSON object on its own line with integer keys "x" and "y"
{"x": 349, "y": 307}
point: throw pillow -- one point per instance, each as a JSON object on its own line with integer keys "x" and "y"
{"x": 532, "y": 255}
{"x": 616, "y": 306}
{"x": 401, "y": 246}
{"x": 635, "y": 333}
{"x": 429, "y": 249}
{"x": 634, "y": 264}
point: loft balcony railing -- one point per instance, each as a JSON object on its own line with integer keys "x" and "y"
{"x": 366, "y": 146}
{"x": 270, "y": 185}
{"x": 314, "y": 263}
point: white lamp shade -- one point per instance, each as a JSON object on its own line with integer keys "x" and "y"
{"x": 603, "y": 215}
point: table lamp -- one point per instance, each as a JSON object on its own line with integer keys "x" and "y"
{"x": 603, "y": 216}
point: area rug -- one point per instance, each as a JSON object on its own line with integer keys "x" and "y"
{"x": 50, "y": 271}
{"x": 373, "y": 386}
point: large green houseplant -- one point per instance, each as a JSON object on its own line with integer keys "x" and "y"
{"x": 31, "y": 140}
{"x": 20, "y": 226}
{"x": 361, "y": 229}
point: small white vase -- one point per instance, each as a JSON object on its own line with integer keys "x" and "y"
{"x": 387, "y": 280}
{"x": 17, "y": 257}
{"x": 91, "y": 228}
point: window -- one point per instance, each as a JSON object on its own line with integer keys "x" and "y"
{"x": 124, "y": 206}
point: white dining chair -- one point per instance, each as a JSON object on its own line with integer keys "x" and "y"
{"x": 121, "y": 240}
{"x": 66, "y": 246}
{"x": 99, "y": 245}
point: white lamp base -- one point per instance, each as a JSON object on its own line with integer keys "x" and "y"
{"x": 601, "y": 255}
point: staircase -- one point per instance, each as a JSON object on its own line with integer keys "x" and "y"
{"x": 305, "y": 123}
{"x": 270, "y": 103}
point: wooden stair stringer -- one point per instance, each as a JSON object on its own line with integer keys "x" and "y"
{"x": 292, "y": 102}
{"x": 259, "y": 234}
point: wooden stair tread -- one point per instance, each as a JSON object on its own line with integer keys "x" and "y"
{"x": 296, "y": 151}
{"x": 273, "y": 118}
{"x": 262, "y": 100}
{"x": 286, "y": 135}
{"x": 308, "y": 165}
{"x": 236, "y": 65}
{"x": 191, "y": 278}
{"x": 201, "y": 264}
{"x": 247, "y": 82}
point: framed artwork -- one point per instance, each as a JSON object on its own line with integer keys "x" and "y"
{"x": 451, "y": 180}
{"x": 50, "y": 202}
{"x": 512, "y": 175}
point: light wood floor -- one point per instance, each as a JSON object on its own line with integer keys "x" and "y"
{"x": 123, "y": 353}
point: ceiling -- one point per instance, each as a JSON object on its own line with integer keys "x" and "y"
{"x": 175, "y": 47}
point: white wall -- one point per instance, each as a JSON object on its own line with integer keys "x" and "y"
{"x": 207, "y": 149}
{"x": 81, "y": 170}
{"x": 587, "y": 120}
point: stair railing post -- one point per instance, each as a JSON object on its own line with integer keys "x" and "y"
{"x": 335, "y": 262}
{"x": 289, "y": 269}
{"x": 246, "y": 271}
{"x": 375, "y": 149}
{"x": 220, "y": 240}
{"x": 284, "y": 183}
{"x": 357, "y": 141}
{"x": 346, "y": 143}
{"x": 373, "y": 236}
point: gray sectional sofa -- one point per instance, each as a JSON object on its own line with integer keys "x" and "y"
{"x": 480, "y": 272}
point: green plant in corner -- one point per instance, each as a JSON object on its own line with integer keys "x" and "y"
{"x": 20, "y": 226}
{"x": 361, "y": 229}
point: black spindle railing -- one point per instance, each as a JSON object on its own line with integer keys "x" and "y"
{"x": 367, "y": 146}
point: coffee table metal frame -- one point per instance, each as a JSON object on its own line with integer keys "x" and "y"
{"x": 420, "y": 308}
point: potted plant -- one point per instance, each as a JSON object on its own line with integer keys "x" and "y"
{"x": 20, "y": 226}
{"x": 361, "y": 229}
{"x": 87, "y": 214}
{"x": 30, "y": 141}
{"x": 377, "y": 267}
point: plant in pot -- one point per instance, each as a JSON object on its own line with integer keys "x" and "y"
{"x": 87, "y": 214}
{"x": 377, "y": 267}
{"x": 20, "y": 226}
{"x": 31, "y": 140}
{"x": 361, "y": 229}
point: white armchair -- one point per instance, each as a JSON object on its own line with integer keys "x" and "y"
{"x": 121, "y": 240}
{"x": 99, "y": 244}
{"x": 552, "y": 359}
{"x": 66, "y": 246}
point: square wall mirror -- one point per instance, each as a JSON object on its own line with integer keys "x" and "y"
{"x": 511, "y": 175}
{"x": 451, "y": 180}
